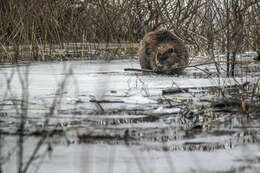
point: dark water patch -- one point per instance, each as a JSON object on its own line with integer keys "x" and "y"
{"x": 206, "y": 147}
{"x": 39, "y": 133}
{"x": 132, "y": 135}
{"x": 87, "y": 138}
{"x": 108, "y": 111}
{"x": 120, "y": 121}
{"x": 223, "y": 132}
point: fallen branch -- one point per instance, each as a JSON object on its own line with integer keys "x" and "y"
{"x": 148, "y": 70}
{"x": 106, "y": 101}
{"x": 138, "y": 69}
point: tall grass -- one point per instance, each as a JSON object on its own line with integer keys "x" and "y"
{"x": 208, "y": 26}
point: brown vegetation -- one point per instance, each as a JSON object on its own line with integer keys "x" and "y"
{"x": 257, "y": 35}
{"x": 211, "y": 27}
{"x": 163, "y": 51}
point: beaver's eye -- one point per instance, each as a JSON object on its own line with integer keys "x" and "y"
{"x": 147, "y": 51}
{"x": 162, "y": 57}
{"x": 170, "y": 50}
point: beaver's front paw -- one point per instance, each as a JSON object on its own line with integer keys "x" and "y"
{"x": 176, "y": 68}
{"x": 158, "y": 68}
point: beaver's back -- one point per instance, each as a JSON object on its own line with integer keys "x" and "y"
{"x": 161, "y": 41}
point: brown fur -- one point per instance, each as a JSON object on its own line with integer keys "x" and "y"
{"x": 163, "y": 51}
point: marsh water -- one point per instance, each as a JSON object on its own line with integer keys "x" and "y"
{"x": 99, "y": 118}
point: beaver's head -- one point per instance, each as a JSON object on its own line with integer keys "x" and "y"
{"x": 166, "y": 58}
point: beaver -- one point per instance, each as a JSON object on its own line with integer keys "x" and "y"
{"x": 162, "y": 51}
